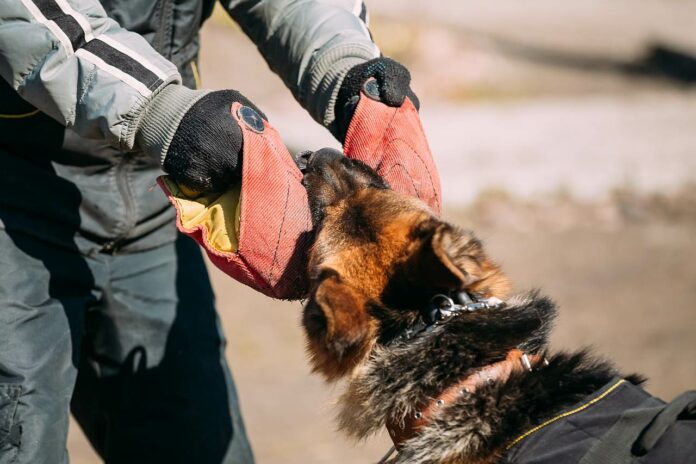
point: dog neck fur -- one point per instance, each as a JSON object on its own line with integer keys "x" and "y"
{"x": 397, "y": 379}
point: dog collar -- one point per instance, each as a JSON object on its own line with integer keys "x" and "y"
{"x": 515, "y": 361}
{"x": 442, "y": 308}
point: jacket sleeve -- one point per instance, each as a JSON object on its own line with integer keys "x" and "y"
{"x": 72, "y": 62}
{"x": 310, "y": 44}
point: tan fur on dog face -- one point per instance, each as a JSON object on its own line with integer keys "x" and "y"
{"x": 348, "y": 331}
{"x": 378, "y": 257}
{"x": 363, "y": 247}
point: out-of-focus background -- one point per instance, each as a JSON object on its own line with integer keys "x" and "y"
{"x": 565, "y": 135}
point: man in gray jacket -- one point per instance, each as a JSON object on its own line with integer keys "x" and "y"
{"x": 105, "y": 310}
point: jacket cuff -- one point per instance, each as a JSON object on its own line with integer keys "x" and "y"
{"x": 326, "y": 76}
{"x": 161, "y": 118}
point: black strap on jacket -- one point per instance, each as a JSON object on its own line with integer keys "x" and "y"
{"x": 648, "y": 422}
{"x": 682, "y": 407}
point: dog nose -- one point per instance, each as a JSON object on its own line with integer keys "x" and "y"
{"x": 309, "y": 160}
{"x": 303, "y": 160}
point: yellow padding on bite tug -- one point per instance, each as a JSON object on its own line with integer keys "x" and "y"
{"x": 217, "y": 213}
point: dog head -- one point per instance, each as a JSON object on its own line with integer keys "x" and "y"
{"x": 378, "y": 258}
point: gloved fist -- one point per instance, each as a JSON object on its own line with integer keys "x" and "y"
{"x": 198, "y": 141}
{"x": 377, "y": 121}
{"x": 392, "y": 81}
{"x": 236, "y": 189}
{"x": 206, "y": 151}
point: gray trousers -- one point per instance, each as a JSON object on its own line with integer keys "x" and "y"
{"x": 130, "y": 343}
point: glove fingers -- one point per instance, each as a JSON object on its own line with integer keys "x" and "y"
{"x": 391, "y": 94}
{"x": 204, "y": 154}
{"x": 394, "y": 82}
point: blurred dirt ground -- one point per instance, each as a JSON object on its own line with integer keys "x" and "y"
{"x": 564, "y": 140}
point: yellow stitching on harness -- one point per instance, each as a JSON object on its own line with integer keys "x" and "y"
{"x": 565, "y": 414}
{"x": 196, "y": 76}
{"x": 19, "y": 116}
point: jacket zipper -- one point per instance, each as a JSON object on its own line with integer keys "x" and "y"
{"x": 123, "y": 164}
{"x": 163, "y": 29}
{"x": 129, "y": 219}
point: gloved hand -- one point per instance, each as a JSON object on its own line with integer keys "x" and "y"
{"x": 377, "y": 121}
{"x": 249, "y": 210}
{"x": 193, "y": 133}
{"x": 393, "y": 84}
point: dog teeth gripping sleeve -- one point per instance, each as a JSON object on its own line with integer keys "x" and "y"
{"x": 391, "y": 140}
{"x": 257, "y": 232}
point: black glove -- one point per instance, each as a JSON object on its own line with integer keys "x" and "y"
{"x": 194, "y": 136}
{"x": 393, "y": 81}
{"x": 205, "y": 154}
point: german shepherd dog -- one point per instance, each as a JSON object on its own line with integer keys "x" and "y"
{"x": 418, "y": 319}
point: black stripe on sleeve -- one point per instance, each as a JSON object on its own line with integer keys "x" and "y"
{"x": 49, "y": 8}
{"x": 363, "y": 13}
{"x": 363, "y": 17}
{"x": 67, "y": 23}
{"x": 119, "y": 60}
{"x": 123, "y": 62}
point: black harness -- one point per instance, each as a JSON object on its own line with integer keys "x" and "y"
{"x": 619, "y": 424}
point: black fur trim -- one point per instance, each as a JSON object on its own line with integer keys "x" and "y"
{"x": 398, "y": 378}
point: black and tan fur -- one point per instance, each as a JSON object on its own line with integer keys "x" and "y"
{"x": 378, "y": 258}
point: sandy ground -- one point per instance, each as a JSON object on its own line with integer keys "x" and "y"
{"x": 576, "y": 175}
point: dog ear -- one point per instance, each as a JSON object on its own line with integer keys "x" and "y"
{"x": 452, "y": 258}
{"x": 339, "y": 329}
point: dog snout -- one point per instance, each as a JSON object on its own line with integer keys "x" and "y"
{"x": 320, "y": 159}
{"x": 302, "y": 160}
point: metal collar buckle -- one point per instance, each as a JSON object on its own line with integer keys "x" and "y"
{"x": 442, "y": 308}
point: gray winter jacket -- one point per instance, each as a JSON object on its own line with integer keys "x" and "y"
{"x": 79, "y": 74}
